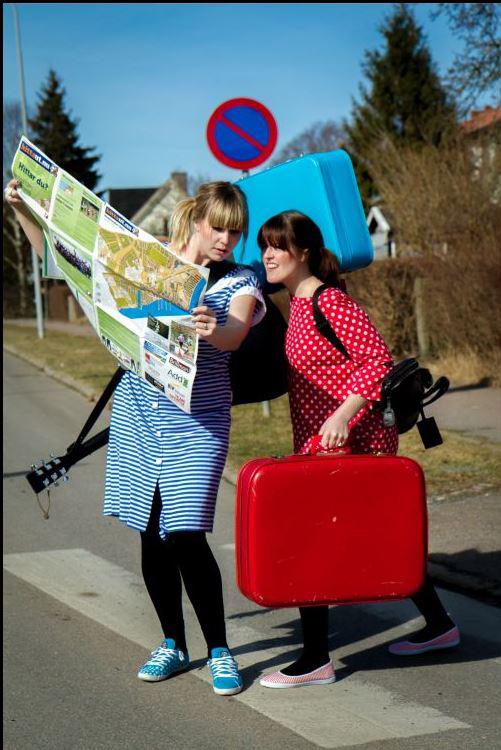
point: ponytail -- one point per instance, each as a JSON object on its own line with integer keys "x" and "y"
{"x": 181, "y": 223}
{"x": 323, "y": 264}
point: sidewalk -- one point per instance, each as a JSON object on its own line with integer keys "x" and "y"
{"x": 464, "y": 532}
{"x": 465, "y": 544}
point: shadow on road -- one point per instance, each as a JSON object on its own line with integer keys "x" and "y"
{"x": 349, "y": 624}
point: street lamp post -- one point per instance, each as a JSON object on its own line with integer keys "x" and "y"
{"x": 34, "y": 256}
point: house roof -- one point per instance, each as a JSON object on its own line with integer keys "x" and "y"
{"x": 376, "y": 214}
{"x": 480, "y": 119}
{"x": 129, "y": 200}
{"x": 177, "y": 180}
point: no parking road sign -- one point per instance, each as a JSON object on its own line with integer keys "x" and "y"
{"x": 242, "y": 133}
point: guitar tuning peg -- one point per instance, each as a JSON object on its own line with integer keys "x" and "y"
{"x": 33, "y": 467}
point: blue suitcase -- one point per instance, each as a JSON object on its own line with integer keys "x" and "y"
{"x": 324, "y": 187}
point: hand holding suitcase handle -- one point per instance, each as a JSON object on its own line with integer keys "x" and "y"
{"x": 315, "y": 446}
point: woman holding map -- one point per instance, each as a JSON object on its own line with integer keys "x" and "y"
{"x": 164, "y": 466}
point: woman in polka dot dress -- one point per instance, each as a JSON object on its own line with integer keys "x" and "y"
{"x": 333, "y": 396}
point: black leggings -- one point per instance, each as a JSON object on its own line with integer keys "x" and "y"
{"x": 315, "y": 620}
{"x": 184, "y": 556}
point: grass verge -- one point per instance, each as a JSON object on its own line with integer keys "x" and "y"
{"x": 461, "y": 465}
{"x": 81, "y": 358}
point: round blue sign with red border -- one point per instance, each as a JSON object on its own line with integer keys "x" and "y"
{"x": 242, "y": 133}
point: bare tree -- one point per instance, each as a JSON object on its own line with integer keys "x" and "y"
{"x": 321, "y": 136}
{"x": 476, "y": 70}
{"x": 195, "y": 180}
{"x": 444, "y": 204}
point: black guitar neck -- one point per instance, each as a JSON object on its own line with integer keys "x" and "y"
{"x": 51, "y": 471}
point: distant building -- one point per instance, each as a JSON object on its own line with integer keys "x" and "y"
{"x": 381, "y": 234}
{"x": 482, "y": 119}
{"x": 483, "y": 130}
{"x": 150, "y": 208}
{"x": 128, "y": 200}
{"x": 154, "y": 215}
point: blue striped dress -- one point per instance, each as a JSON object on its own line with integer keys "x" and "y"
{"x": 153, "y": 442}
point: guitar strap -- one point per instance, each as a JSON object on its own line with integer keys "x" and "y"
{"x": 95, "y": 413}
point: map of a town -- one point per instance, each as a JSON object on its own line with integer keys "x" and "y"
{"x": 139, "y": 273}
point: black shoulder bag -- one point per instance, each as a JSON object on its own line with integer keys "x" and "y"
{"x": 258, "y": 368}
{"x": 405, "y": 390}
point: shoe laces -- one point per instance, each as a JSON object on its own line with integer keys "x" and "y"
{"x": 223, "y": 666}
{"x": 161, "y": 655}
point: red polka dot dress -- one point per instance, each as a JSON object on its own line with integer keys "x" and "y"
{"x": 321, "y": 378}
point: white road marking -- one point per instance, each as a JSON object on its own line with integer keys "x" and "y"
{"x": 351, "y": 713}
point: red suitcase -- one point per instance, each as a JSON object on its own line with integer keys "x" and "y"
{"x": 330, "y": 529}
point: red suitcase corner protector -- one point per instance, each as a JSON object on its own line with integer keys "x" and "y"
{"x": 330, "y": 529}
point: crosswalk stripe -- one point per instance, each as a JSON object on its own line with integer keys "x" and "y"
{"x": 353, "y": 712}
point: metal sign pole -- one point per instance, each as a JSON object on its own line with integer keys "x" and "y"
{"x": 34, "y": 257}
{"x": 265, "y": 405}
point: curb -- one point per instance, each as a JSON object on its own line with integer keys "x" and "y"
{"x": 229, "y": 473}
{"x": 84, "y": 390}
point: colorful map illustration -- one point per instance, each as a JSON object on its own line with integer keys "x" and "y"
{"x": 138, "y": 273}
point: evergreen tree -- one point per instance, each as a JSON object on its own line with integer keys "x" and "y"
{"x": 53, "y": 130}
{"x": 404, "y": 100}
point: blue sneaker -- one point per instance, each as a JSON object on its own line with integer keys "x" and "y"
{"x": 225, "y": 677}
{"x": 165, "y": 661}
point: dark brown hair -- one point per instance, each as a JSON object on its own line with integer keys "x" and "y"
{"x": 299, "y": 235}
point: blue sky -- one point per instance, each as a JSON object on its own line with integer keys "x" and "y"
{"x": 143, "y": 79}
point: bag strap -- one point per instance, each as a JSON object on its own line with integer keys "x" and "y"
{"x": 322, "y": 324}
{"x": 399, "y": 373}
{"x": 98, "y": 408}
{"x": 218, "y": 269}
{"x": 438, "y": 389}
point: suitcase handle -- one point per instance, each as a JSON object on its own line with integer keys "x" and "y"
{"x": 315, "y": 441}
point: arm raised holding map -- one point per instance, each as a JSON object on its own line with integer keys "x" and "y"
{"x": 29, "y": 226}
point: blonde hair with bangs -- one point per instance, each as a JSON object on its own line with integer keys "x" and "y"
{"x": 221, "y": 203}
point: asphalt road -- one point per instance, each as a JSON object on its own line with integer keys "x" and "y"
{"x": 77, "y": 624}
